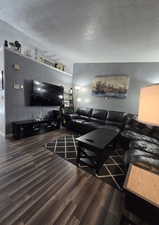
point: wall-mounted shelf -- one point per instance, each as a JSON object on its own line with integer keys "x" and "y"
{"x": 27, "y": 57}
{"x": 68, "y": 99}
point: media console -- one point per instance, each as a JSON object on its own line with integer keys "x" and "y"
{"x": 26, "y": 128}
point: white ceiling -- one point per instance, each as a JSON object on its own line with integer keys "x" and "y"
{"x": 89, "y": 30}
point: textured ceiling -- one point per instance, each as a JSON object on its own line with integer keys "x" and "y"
{"x": 89, "y": 30}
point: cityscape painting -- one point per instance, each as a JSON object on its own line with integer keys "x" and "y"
{"x": 111, "y": 86}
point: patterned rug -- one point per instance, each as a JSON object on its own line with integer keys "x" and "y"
{"x": 113, "y": 170}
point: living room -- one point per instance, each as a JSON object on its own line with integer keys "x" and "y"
{"x": 79, "y": 113}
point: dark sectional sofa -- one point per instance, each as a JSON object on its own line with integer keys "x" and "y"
{"x": 141, "y": 142}
{"x": 88, "y": 119}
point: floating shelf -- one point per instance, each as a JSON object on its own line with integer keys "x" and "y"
{"x": 27, "y": 57}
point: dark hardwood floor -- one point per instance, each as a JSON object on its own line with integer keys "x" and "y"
{"x": 38, "y": 187}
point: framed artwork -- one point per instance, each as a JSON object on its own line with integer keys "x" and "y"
{"x": 115, "y": 86}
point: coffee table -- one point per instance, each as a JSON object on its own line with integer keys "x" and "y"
{"x": 93, "y": 147}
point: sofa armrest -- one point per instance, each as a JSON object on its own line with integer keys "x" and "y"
{"x": 71, "y": 116}
{"x": 131, "y": 135}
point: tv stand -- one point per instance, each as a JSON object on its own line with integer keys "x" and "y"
{"x": 26, "y": 128}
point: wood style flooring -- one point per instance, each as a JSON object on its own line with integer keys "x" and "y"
{"x": 38, "y": 187}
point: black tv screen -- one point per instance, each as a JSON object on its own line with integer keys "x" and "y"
{"x": 45, "y": 94}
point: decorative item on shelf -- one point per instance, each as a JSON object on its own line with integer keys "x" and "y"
{"x": 70, "y": 91}
{"x": 59, "y": 66}
{"x": 115, "y": 86}
{"x": 15, "y": 46}
{"x": 6, "y": 43}
{"x": 36, "y": 54}
{"x": 77, "y": 97}
{"x": 28, "y": 52}
{"x": 17, "y": 85}
{"x": 68, "y": 101}
{"x": 18, "y": 46}
{"x": 12, "y": 45}
{"x": 47, "y": 62}
{"x": 16, "y": 67}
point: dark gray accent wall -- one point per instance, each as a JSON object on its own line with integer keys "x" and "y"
{"x": 16, "y": 105}
{"x": 2, "y": 98}
{"x": 141, "y": 74}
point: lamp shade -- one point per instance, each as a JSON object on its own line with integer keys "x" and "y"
{"x": 149, "y": 105}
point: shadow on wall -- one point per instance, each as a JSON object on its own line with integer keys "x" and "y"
{"x": 27, "y": 91}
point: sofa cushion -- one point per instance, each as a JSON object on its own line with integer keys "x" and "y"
{"x": 78, "y": 121}
{"x": 71, "y": 116}
{"x": 94, "y": 124}
{"x": 145, "y": 146}
{"x": 131, "y": 135}
{"x": 99, "y": 114}
{"x": 146, "y": 159}
{"x": 114, "y": 123}
{"x": 84, "y": 112}
{"x": 155, "y": 132}
{"x": 129, "y": 118}
{"x": 116, "y": 116}
{"x": 83, "y": 117}
{"x": 89, "y": 126}
{"x": 93, "y": 120}
{"x": 136, "y": 126}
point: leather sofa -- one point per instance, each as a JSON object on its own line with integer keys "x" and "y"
{"x": 142, "y": 145}
{"x": 141, "y": 142}
{"x": 143, "y": 153}
{"x": 88, "y": 119}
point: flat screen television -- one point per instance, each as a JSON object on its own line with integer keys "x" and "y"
{"x": 46, "y": 94}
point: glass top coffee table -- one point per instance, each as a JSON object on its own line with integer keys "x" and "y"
{"x": 93, "y": 147}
